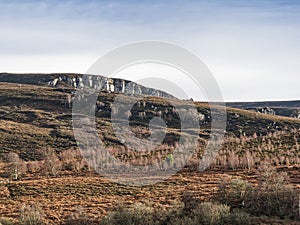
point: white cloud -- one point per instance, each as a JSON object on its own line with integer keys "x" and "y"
{"x": 246, "y": 45}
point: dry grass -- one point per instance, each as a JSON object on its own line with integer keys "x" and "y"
{"x": 35, "y": 118}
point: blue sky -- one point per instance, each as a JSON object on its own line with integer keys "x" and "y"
{"x": 251, "y": 47}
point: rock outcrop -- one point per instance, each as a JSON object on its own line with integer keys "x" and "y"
{"x": 81, "y": 81}
{"x": 279, "y": 108}
{"x": 266, "y": 110}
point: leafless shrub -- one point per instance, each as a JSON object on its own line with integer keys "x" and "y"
{"x": 238, "y": 218}
{"x": 211, "y": 214}
{"x": 72, "y": 160}
{"x": 34, "y": 166}
{"x": 247, "y": 161}
{"x": 273, "y": 196}
{"x": 220, "y": 161}
{"x": 270, "y": 178}
{"x": 31, "y": 214}
{"x": 232, "y": 160}
{"x": 141, "y": 214}
{"x": 51, "y": 164}
{"x": 235, "y": 192}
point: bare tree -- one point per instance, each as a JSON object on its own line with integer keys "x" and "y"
{"x": 52, "y": 164}
{"x": 232, "y": 160}
{"x": 16, "y": 167}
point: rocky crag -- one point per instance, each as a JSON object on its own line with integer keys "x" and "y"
{"x": 81, "y": 81}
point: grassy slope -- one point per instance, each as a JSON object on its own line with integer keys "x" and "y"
{"x": 34, "y": 117}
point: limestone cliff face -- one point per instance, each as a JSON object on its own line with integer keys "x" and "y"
{"x": 83, "y": 81}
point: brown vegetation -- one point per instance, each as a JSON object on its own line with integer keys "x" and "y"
{"x": 43, "y": 164}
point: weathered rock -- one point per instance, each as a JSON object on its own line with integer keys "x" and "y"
{"x": 266, "y": 110}
{"x": 81, "y": 81}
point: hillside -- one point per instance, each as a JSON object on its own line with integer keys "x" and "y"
{"x": 45, "y": 115}
{"x": 38, "y": 118}
{"x": 282, "y": 108}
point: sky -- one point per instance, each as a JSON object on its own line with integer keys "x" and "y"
{"x": 251, "y": 47}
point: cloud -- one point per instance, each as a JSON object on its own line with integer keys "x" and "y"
{"x": 246, "y": 44}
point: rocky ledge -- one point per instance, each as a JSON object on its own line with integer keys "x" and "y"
{"x": 81, "y": 81}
